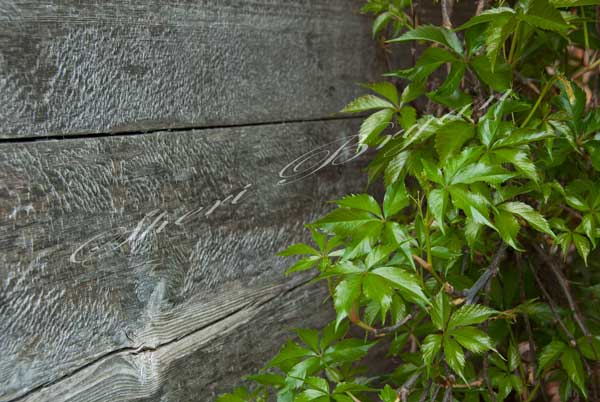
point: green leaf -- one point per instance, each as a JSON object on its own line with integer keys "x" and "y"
{"x": 534, "y": 218}
{"x": 363, "y": 202}
{"x": 385, "y": 89}
{"x": 408, "y": 117}
{"x": 470, "y": 314}
{"x": 481, "y": 172}
{"x": 395, "y": 167}
{"x": 520, "y": 160}
{"x": 344, "y": 221}
{"x": 346, "y": 294}
{"x": 451, "y": 137}
{"x": 348, "y": 350}
{"x": 550, "y": 354}
{"x": 381, "y": 22}
{"x": 311, "y": 395}
{"x": 431, "y": 59}
{"x": 395, "y": 200}
{"x": 496, "y": 35}
{"x": 541, "y": 14}
{"x": 290, "y": 352}
{"x": 437, "y": 203}
{"x": 310, "y": 337}
{"x": 497, "y": 76}
{"x": 230, "y": 398}
{"x": 297, "y": 249}
{"x": 407, "y": 284}
{"x": 571, "y": 363}
{"x": 472, "y": 339}
{"x": 455, "y": 356}
{"x": 373, "y": 125}
{"x": 573, "y": 3}
{"x": 367, "y": 102}
{"x": 486, "y": 16}
{"x": 388, "y": 394}
{"x": 440, "y": 311}
{"x": 430, "y": 348}
{"x": 522, "y": 136}
{"x": 318, "y": 383}
{"x": 432, "y": 33}
{"x": 303, "y": 265}
{"x": 582, "y": 245}
{"x": 508, "y": 228}
{"x": 378, "y": 289}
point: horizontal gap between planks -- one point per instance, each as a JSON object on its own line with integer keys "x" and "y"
{"x": 160, "y": 130}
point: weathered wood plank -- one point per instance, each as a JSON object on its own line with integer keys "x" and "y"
{"x": 198, "y": 366}
{"x": 69, "y": 67}
{"x": 128, "y": 242}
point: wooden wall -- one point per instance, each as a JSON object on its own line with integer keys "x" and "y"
{"x": 142, "y": 145}
{"x": 142, "y": 148}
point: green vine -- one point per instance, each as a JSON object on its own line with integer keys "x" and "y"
{"x": 476, "y": 271}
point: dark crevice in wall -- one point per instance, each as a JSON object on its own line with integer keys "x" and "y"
{"x": 161, "y": 130}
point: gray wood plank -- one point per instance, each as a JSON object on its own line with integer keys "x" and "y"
{"x": 114, "y": 244}
{"x": 76, "y": 67}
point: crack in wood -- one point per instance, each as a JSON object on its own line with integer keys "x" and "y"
{"x": 144, "y": 349}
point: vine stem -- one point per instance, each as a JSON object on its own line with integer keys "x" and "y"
{"x": 488, "y": 274}
{"x": 538, "y": 101}
{"x": 513, "y": 44}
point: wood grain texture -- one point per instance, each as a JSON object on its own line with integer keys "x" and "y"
{"x": 133, "y": 243}
{"x": 76, "y": 67}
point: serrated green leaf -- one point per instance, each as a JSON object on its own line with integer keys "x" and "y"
{"x": 298, "y": 249}
{"x": 541, "y": 14}
{"x": 451, "y": 137}
{"x": 310, "y": 337}
{"x": 582, "y": 245}
{"x": 432, "y": 33}
{"x": 385, "y": 89}
{"x": 496, "y": 35}
{"x": 470, "y": 314}
{"x": 440, "y": 311}
{"x": 406, "y": 283}
{"x": 522, "y": 136}
{"x": 430, "y": 348}
{"x": 550, "y": 354}
{"x": 455, "y": 356}
{"x": 571, "y": 363}
{"x": 437, "y": 203}
{"x": 381, "y": 22}
{"x": 520, "y": 160}
{"x": 508, "y": 228}
{"x": 303, "y": 264}
{"x": 367, "y": 102}
{"x": 388, "y": 394}
{"x": 486, "y": 16}
{"x": 373, "y": 125}
{"x": 290, "y": 352}
{"x": 498, "y": 76}
{"x": 346, "y": 294}
{"x": 408, "y": 117}
{"x": 472, "y": 339}
{"x": 534, "y": 218}
{"x": 481, "y": 172}
{"x": 344, "y": 221}
{"x": 363, "y": 202}
{"x": 395, "y": 199}
{"x": 348, "y": 350}
{"x": 378, "y": 289}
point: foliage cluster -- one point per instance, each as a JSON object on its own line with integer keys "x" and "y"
{"x": 475, "y": 270}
